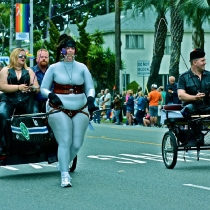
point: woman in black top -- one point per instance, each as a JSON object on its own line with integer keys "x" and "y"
{"x": 17, "y": 82}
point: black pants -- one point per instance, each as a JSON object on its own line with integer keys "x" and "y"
{"x": 7, "y": 109}
{"x": 139, "y": 116}
{"x": 124, "y": 109}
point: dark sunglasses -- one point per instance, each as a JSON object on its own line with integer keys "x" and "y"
{"x": 22, "y": 56}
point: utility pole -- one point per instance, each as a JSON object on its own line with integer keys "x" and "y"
{"x": 31, "y": 32}
{"x": 107, "y": 6}
{"x": 11, "y": 25}
{"x": 117, "y": 44}
{"x": 48, "y": 24}
{"x": 19, "y": 42}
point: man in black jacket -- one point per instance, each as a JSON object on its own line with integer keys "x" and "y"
{"x": 171, "y": 92}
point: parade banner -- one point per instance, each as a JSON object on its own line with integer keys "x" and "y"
{"x": 22, "y": 21}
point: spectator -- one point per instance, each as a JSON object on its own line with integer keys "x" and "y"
{"x": 163, "y": 94}
{"x": 153, "y": 98}
{"x": 160, "y": 104}
{"x": 97, "y": 115}
{"x": 124, "y": 103}
{"x": 135, "y": 103}
{"x": 121, "y": 107}
{"x": 107, "y": 103}
{"x": 141, "y": 103}
{"x": 146, "y": 120}
{"x": 101, "y": 99}
{"x": 130, "y": 106}
{"x": 40, "y": 69}
{"x": 133, "y": 122}
{"x": 171, "y": 92}
{"x": 117, "y": 109}
{"x": 138, "y": 90}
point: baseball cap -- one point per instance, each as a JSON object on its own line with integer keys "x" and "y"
{"x": 154, "y": 86}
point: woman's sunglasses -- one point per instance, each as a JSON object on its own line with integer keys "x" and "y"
{"x": 22, "y": 56}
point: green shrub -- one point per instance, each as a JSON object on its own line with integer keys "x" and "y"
{"x": 133, "y": 86}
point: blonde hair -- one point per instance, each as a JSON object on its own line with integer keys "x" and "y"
{"x": 140, "y": 93}
{"x": 161, "y": 88}
{"x": 130, "y": 92}
{"x": 14, "y": 58}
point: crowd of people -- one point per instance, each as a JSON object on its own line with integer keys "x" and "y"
{"x": 131, "y": 108}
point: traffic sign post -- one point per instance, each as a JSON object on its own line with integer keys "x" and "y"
{"x": 143, "y": 69}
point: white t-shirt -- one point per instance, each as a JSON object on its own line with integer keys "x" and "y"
{"x": 101, "y": 99}
{"x": 107, "y": 103}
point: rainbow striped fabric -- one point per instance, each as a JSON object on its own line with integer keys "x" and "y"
{"x": 22, "y": 17}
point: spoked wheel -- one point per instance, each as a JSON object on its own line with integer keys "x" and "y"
{"x": 169, "y": 150}
{"x": 73, "y": 165}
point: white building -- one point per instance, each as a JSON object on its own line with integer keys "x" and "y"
{"x": 137, "y": 37}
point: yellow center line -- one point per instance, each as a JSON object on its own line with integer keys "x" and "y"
{"x": 122, "y": 140}
{"x": 135, "y": 128}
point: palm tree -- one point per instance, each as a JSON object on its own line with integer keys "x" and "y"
{"x": 177, "y": 31}
{"x": 196, "y": 13}
{"x": 161, "y": 8}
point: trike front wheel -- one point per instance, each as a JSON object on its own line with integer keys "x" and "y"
{"x": 169, "y": 150}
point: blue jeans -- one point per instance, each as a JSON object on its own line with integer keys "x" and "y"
{"x": 108, "y": 112}
{"x": 117, "y": 115}
{"x": 97, "y": 117}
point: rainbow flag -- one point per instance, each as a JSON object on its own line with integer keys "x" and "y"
{"x": 22, "y": 18}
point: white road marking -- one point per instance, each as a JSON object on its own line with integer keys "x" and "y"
{"x": 97, "y": 157}
{"x": 10, "y": 168}
{"x": 144, "y": 157}
{"x": 197, "y": 186}
{"x": 108, "y": 157}
{"x": 125, "y": 162}
{"x": 46, "y": 164}
{"x": 35, "y": 166}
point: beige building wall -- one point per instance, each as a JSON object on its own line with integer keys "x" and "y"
{"x": 131, "y": 56}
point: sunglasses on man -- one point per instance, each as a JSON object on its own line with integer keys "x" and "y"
{"x": 22, "y": 56}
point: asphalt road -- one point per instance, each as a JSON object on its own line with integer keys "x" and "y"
{"x": 118, "y": 168}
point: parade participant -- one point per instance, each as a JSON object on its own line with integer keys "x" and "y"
{"x": 194, "y": 85}
{"x": 194, "y": 90}
{"x": 40, "y": 69}
{"x": 18, "y": 83}
{"x": 73, "y": 94}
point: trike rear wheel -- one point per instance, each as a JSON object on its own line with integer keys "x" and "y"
{"x": 169, "y": 150}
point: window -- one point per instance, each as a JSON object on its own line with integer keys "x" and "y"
{"x": 168, "y": 45}
{"x": 126, "y": 80}
{"x": 134, "y": 41}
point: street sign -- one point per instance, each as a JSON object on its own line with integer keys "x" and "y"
{"x": 143, "y": 68}
{"x": 4, "y": 59}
